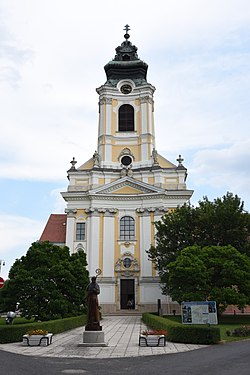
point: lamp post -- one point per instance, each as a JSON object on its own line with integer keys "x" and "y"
{"x": 2, "y": 263}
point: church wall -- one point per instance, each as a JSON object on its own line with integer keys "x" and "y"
{"x": 107, "y": 296}
{"x": 101, "y": 120}
{"x": 93, "y": 243}
{"x": 108, "y": 107}
{"x": 108, "y": 246}
{"x": 145, "y": 236}
{"x": 114, "y": 122}
{"x": 148, "y": 291}
{"x": 70, "y": 229}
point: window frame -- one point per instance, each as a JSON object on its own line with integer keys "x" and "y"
{"x": 126, "y": 118}
{"x": 127, "y": 228}
{"x": 81, "y": 232}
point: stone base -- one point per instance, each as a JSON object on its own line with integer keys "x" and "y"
{"x": 93, "y": 338}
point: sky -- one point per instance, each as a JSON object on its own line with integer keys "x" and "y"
{"x": 52, "y": 54}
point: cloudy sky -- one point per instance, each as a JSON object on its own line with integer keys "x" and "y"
{"x": 52, "y": 54}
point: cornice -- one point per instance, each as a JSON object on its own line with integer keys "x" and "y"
{"x": 72, "y": 196}
{"x": 117, "y": 170}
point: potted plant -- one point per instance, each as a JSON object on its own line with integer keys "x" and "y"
{"x": 37, "y": 337}
{"x": 153, "y": 338}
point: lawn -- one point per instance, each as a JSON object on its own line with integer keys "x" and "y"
{"x": 17, "y": 321}
{"x": 226, "y": 323}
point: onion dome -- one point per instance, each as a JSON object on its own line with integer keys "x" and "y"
{"x": 126, "y": 64}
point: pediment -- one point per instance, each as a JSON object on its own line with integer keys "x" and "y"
{"x": 127, "y": 186}
{"x": 128, "y": 190}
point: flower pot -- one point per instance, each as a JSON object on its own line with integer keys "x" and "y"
{"x": 152, "y": 340}
{"x": 37, "y": 340}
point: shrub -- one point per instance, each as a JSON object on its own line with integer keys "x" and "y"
{"x": 194, "y": 335}
{"x": 182, "y": 333}
{"x": 240, "y": 331}
{"x": 158, "y": 322}
{"x": 15, "y": 333}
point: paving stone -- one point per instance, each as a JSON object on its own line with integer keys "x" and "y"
{"x": 121, "y": 336}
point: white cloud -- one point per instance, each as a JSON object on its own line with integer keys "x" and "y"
{"x": 17, "y": 230}
{"x": 59, "y": 202}
{"x": 225, "y": 169}
{"x": 17, "y": 234}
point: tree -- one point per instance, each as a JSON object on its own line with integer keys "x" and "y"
{"x": 48, "y": 282}
{"x": 217, "y": 273}
{"x": 221, "y": 222}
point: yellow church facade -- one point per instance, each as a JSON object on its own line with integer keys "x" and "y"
{"x": 114, "y": 198}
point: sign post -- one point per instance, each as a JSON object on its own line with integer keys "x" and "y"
{"x": 1, "y": 282}
{"x": 200, "y": 312}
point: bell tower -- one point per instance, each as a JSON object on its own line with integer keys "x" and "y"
{"x": 126, "y": 136}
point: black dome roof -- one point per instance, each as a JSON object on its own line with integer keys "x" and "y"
{"x": 126, "y": 65}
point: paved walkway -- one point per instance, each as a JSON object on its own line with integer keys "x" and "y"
{"x": 121, "y": 336}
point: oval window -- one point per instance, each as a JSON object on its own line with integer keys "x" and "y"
{"x": 127, "y": 262}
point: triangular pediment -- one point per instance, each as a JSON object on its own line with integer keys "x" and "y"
{"x": 127, "y": 186}
{"x": 127, "y": 190}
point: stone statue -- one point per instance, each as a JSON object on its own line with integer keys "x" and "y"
{"x": 93, "y": 316}
{"x": 96, "y": 158}
{"x": 155, "y": 156}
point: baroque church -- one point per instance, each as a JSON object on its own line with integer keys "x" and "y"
{"x": 114, "y": 198}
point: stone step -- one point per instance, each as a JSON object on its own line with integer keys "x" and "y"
{"x": 124, "y": 313}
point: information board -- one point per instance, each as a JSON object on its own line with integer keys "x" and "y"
{"x": 200, "y": 312}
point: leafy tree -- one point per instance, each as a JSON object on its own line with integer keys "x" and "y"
{"x": 48, "y": 282}
{"x": 221, "y": 222}
{"x": 219, "y": 273}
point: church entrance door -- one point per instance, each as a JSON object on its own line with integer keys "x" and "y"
{"x": 127, "y": 293}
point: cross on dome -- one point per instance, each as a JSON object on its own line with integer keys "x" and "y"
{"x": 126, "y": 28}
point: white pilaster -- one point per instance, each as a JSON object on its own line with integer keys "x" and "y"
{"x": 70, "y": 233}
{"x": 108, "y": 246}
{"x": 145, "y": 238}
{"x": 93, "y": 243}
{"x": 108, "y": 116}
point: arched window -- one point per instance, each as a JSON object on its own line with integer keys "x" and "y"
{"x": 127, "y": 228}
{"x": 126, "y": 118}
{"x": 80, "y": 231}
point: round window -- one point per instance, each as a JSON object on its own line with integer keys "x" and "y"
{"x": 126, "y": 160}
{"x": 127, "y": 262}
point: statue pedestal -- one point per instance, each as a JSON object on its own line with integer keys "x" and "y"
{"x": 93, "y": 338}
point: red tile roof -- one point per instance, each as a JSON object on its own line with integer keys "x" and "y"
{"x": 55, "y": 229}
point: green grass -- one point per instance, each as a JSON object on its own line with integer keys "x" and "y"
{"x": 226, "y": 323}
{"x": 18, "y": 320}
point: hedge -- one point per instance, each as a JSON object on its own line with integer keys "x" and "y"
{"x": 14, "y": 333}
{"x": 178, "y": 332}
{"x": 194, "y": 335}
{"x": 158, "y": 322}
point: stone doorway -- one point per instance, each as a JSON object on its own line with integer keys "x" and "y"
{"x": 127, "y": 293}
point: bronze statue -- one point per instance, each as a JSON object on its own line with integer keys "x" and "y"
{"x": 93, "y": 315}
